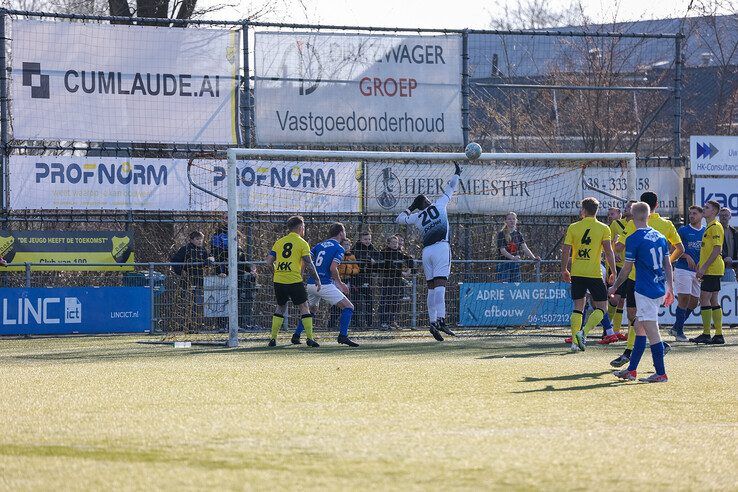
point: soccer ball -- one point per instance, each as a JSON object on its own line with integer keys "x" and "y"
{"x": 473, "y": 151}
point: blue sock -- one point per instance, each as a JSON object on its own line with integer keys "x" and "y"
{"x": 681, "y": 316}
{"x": 606, "y": 323}
{"x": 343, "y": 324}
{"x": 300, "y": 328}
{"x": 657, "y": 352}
{"x": 638, "y": 349}
{"x": 689, "y": 313}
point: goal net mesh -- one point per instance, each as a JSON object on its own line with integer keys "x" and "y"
{"x": 383, "y": 267}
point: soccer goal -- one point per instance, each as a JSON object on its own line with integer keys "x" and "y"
{"x": 372, "y": 187}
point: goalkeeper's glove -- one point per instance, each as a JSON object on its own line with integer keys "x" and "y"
{"x": 416, "y": 203}
{"x": 458, "y": 169}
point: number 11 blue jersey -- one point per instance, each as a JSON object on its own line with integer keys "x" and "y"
{"x": 647, "y": 248}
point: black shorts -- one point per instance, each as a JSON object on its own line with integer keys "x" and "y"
{"x": 630, "y": 298}
{"x": 595, "y": 286}
{"x": 711, "y": 283}
{"x": 296, "y": 292}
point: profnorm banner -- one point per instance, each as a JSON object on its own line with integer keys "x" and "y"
{"x": 350, "y": 88}
{"x": 76, "y": 249}
{"x": 526, "y": 189}
{"x": 713, "y": 155}
{"x": 722, "y": 190}
{"x": 728, "y": 302}
{"x": 66, "y": 311}
{"x": 110, "y": 183}
{"x": 102, "y": 82}
{"x": 512, "y": 304}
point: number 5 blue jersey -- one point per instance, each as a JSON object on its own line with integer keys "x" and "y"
{"x": 433, "y": 220}
{"x": 324, "y": 254}
{"x": 646, "y": 248}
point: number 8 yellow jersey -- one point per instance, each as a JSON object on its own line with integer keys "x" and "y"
{"x": 585, "y": 238}
{"x": 288, "y": 252}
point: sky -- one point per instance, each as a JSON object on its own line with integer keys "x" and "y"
{"x": 475, "y": 14}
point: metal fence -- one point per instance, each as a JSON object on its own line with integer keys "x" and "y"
{"x": 384, "y": 299}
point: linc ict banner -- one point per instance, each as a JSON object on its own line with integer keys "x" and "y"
{"x": 100, "y": 82}
{"x": 76, "y": 249}
{"x": 357, "y": 89}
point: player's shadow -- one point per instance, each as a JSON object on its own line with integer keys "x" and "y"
{"x": 571, "y": 377}
{"x": 526, "y": 355}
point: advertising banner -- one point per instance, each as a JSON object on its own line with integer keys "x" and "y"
{"x": 728, "y": 301}
{"x": 722, "y": 190}
{"x": 515, "y": 304}
{"x": 334, "y": 88}
{"x": 713, "y": 155}
{"x": 526, "y": 189}
{"x": 215, "y": 297}
{"x": 73, "y": 310}
{"x": 73, "y": 248}
{"x": 102, "y": 82}
{"x": 116, "y": 183}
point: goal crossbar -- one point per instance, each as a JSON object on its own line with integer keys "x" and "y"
{"x": 234, "y": 154}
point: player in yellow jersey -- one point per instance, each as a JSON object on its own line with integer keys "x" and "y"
{"x": 585, "y": 240}
{"x": 665, "y": 227}
{"x": 617, "y": 229}
{"x": 288, "y": 256}
{"x": 710, "y": 270}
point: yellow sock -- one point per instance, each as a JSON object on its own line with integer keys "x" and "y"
{"x": 594, "y": 319}
{"x": 576, "y": 323}
{"x": 706, "y": 319}
{"x": 307, "y": 323}
{"x": 617, "y": 320}
{"x": 277, "y": 320}
{"x": 611, "y": 310}
{"x": 717, "y": 319}
{"x": 631, "y": 337}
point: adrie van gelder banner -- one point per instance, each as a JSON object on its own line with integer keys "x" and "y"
{"x": 357, "y": 89}
{"x": 99, "y": 82}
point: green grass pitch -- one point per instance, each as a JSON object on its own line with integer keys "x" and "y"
{"x": 499, "y": 412}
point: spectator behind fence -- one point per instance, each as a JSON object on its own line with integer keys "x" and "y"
{"x": 246, "y": 275}
{"x": 730, "y": 245}
{"x": 394, "y": 262}
{"x": 368, "y": 258}
{"x": 348, "y": 269}
{"x": 190, "y": 262}
{"x": 511, "y": 245}
{"x": 408, "y": 270}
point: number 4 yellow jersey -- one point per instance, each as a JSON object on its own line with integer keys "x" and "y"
{"x": 585, "y": 238}
{"x": 288, "y": 252}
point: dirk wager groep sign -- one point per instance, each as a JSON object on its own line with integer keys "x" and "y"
{"x": 77, "y": 250}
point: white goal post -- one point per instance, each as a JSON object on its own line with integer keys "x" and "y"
{"x": 254, "y": 154}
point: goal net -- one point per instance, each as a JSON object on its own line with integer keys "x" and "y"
{"x": 383, "y": 270}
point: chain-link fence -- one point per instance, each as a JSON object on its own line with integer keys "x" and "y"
{"x": 386, "y": 286}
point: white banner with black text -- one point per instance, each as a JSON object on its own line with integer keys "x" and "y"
{"x": 332, "y": 88}
{"x": 117, "y": 83}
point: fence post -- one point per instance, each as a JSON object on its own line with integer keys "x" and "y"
{"x": 28, "y": 275}
{"x": 414, "y": 312}
{"x": 3, "y": 114}
{"x": 152, "y": 328}
{"x": 465, "y": 85}
{"x": 246, "y": 101}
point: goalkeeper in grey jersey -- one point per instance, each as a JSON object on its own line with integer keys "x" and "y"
{"x": 432, "y": 221}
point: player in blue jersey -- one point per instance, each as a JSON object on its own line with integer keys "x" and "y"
{"x": 686, "y": 283}
{"x": 327, "y": 256}
{"x": 432, "y": 221}
{"x": 648, "y": 251}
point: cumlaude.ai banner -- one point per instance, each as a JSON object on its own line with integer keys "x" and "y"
{"x": 101, "y": 82}
{"x": 116, "y": 183}
{"x": 331, "y": 88}
{"x": 526, "y": 189}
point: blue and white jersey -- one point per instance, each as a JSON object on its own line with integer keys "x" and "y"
{"x": 647, "y": 248}
{"x": 324, "y": 255}
{"x": 433, "y": 220}
{"x": 692, "y": 241}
